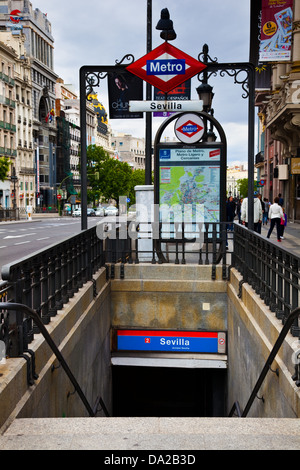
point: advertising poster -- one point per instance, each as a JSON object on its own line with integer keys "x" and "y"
{"x": 123, "y": 88}
{"x": 180, "y": 93}
{"x": 276, "y": 30}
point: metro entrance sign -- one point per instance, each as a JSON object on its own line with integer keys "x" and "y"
{"x": 166, "y": 67}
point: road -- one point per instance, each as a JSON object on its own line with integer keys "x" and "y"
{"x": 21, "y": 239}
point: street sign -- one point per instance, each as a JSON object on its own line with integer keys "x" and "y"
{"x": 166, "y": 106}
{"x": 59, "y": 196}
{"x": 189, "y": 128}
{"x": 171, "y": 341}
{"x": 166, "y": 67}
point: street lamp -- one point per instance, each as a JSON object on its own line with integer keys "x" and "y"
{"x": 205, "y": 94}
{"x": 14, "y": 179}
{"x": 165, "y": 25}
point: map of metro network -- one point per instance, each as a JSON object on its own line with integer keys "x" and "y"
{"x": 191, "y": 185}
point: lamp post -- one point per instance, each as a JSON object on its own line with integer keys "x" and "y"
{"x": 148, "y": 130}
{"x": 14, "y": 179}
{"x": 165, "y": 25}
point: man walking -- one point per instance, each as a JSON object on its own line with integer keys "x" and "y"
{"x": 257, "y": 216}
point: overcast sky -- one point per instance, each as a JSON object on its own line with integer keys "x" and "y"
{"x": 98, "y": 32}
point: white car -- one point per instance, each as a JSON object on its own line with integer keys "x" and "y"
{"x": 76, "y": 213}
{"x": 100, "y": 212}
{"x": 111, "y": 210}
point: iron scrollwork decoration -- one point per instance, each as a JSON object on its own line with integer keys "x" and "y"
{"x": 93, "y": 78}
{"x": 231, "y": 69}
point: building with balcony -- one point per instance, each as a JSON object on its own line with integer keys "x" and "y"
{"x": 7, "y": 122}
{"x": 278, "y": 103}
{"x": 36, "y": 28}
{"x": 25, "y": 161}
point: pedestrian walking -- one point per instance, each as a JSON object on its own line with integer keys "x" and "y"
{"x": 239, "y": 209}
{"x": 266, "y": 211}
{"x": 275, "y": 216}
{"x": 281, "y": 201}
{"x": 283, "y": 224}
{"x": 257, "y": 216}
{"x": 230, "y": 212}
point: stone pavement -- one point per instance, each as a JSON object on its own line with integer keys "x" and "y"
{"x": 159, "y": 434}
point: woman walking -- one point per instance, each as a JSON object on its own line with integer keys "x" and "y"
{"x": 275, "y": 216}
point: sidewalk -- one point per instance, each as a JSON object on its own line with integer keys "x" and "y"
{"x": 291, "y": 241}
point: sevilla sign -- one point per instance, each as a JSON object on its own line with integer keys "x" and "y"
{"x": 166, "y": 67}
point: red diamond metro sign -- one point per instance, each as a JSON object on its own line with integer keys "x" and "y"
{"x": 166, "y": 67}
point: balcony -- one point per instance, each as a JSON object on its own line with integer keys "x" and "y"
{"x": 7, "y": 126}
{"x": 7, "y": 79}
{"x": 7, "y": 152}
{"x": 259, "y": 159}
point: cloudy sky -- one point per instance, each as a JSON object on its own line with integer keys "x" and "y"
{"x": 98, "y": 32}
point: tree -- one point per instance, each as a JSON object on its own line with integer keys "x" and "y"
{"x": 95, "y": 158}
{"x": 115, "y": 179}
{"x": 242, "y": 186}
{"x": 107, "y": 178}
{"x": 4, "y": 168}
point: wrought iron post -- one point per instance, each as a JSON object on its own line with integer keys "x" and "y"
{"x": 148, "y": 131}
{"x": 248, "y": 85}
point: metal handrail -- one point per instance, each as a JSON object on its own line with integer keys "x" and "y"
{"x": 289, "y": 321}
{"x": 36, "y": 318}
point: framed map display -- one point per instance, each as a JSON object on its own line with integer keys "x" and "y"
{"x": 189, "y": 183}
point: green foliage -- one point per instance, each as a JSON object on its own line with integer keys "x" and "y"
{"x": 109, "y": 178}
{"x": 4, "y": 168}
{"x": 242, "y": 186}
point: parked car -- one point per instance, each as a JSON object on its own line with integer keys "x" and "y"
{"x": 100, "y": 212}
{"x": 90, "y": 212}
{"x": 76, "y": 213}
{"x": 132, "y": 212}
{"x": 111, "y": 210}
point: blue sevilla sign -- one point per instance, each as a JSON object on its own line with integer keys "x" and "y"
{"x": 174, "y": 341}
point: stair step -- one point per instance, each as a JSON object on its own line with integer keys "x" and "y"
{"x": 152, "y": 434}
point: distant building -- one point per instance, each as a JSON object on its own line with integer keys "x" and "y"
{"x": 129, "y": 149}
{"x": 7, "y": 121}
{"x": 39, "y": 45}
{"x": 234, "y": 173}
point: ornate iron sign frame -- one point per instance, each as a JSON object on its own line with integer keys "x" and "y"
{"x": 91, "y": 76}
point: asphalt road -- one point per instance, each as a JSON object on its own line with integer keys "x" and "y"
{"x": 21, "y": 239}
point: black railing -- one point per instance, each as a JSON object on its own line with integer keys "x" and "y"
{"x": 45, "y": 281}
{"x": 9, "y": 214}
{"x": 33, "y": 315}
{"x": 178, "y": 243}
{"x": 270, "y": 270}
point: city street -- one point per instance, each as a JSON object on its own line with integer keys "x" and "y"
{"x": 20, "y": 239}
